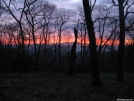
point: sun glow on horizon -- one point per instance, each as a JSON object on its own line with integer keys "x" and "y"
{"x": 67, "y": 40}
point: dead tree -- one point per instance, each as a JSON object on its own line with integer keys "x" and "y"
{"x": 73, "y": 55}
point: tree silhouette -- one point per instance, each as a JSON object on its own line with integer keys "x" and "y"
{"x": 7, "y": 8}
{"x": 120, "y": 76}
{"x": 73, "y": 54}
{"x": 93, "y": 52}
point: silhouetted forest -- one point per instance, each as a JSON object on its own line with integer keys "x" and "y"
{"x": 36, "y": 35}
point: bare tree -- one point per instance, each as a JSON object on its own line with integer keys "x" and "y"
{"x": 7, "y": 6}
{"x": 103, "y": 20}
{"x": 122, "y": 5}
{"x": 32, "y": 11}
{"x": 82, "y": 36}
{"x": 47, "y": 24}
{"x": 62, "y": 17}
{"x": 93, "y": 52}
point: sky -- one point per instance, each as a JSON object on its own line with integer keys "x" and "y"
{"x": 68, "y": 4}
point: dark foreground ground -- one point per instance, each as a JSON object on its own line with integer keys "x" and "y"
{"x": 42, "y": 86}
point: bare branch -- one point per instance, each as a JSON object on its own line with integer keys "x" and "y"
{"x": 114, "y": 3}
{"x": 128, "y": 12}
{"x": 93, "y": 5}
{"x": 126, "y": 3}
{"x": 130, "y": 26}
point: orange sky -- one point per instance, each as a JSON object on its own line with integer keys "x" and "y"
{"x": 69, "y": 40}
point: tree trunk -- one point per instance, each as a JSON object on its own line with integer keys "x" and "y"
{"x": 35, "y": 49}
{"x": 73, "y": 55}
{"x": 22, "y": 37}
{"x": 120, "y": 76}
{"x": 59, "y": 46}
{"x": 93, "y": 52}
{"x": 59, "y": 55}
{"x": 23, "y": 45}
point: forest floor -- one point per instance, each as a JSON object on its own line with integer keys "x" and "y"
{"x": 41, "y": 86}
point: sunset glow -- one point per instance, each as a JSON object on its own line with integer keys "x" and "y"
{"x": 66, "y": 40}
